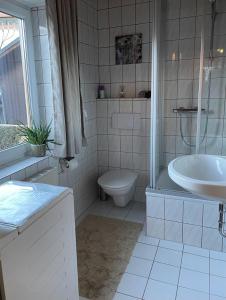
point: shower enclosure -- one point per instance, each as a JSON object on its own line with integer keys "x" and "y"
{"x": 188, "y": 83}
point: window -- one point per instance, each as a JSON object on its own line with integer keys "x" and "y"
{"x": 17, "y": 76}
{"x": 13, "y": 108}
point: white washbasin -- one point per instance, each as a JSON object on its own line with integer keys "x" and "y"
{"x": 200, "y": 174}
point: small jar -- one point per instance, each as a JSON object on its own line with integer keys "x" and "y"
{"x": 122, "y": 92}
{"x": 101, "y": 92}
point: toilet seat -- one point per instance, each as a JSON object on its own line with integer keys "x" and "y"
{"x": 120, "y": 185}
{"x": 120, "y": 179}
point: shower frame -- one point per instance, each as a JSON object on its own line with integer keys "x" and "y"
{"x": 157, "y": 107}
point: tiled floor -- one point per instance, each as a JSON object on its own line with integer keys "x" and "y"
{"x": 134, "y": 211}
{"x": 162, "y": 270}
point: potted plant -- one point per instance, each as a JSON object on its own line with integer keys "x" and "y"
{"x": 37, "y": 137}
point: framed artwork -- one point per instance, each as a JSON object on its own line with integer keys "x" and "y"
{"x": 128, "y": 49}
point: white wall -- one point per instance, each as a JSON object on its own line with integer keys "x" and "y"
{"x": 183, "y": 218}
{"x": 120, "y": 148}
{"x": 42, "y": 64}
{"x": 117, "y": 18}
{"x": 128, "y": 149}
{"x": 99, "y": 24}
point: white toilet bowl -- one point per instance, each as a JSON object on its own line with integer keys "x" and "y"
{"x": 120, "y": 185}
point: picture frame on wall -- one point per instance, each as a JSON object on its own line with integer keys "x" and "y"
{"x": 128, "y": 49}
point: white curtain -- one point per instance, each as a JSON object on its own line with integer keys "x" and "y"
{"x": 63, "y": 39}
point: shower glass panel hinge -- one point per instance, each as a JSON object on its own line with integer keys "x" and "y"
{"x": 221, "y": 221}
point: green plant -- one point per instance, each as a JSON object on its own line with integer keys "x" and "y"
{"x": 36, "y": 135}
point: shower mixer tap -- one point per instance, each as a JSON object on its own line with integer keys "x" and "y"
{"x": 207, "y": 71}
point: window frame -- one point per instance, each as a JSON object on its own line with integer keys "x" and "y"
{"x": 19, "y": 151}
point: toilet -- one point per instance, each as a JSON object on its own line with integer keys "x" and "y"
{"x": 120, "y": 185}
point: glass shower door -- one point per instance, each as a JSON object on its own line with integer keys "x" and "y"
{"x": 188, "y": 82}
{"x": 157, "y": 91}
{"x": 211, "y": 137}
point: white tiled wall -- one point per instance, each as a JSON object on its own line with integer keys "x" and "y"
{"x": 24, "y": 169}
{"x": 123, "y": 128}
{"x": 42, "y": 64}
{"x": 121, "y": 144}
{"x": 110, "y": 143}
{"x": 182, "y": 53}
{"x": 184, "y": 219}
{"x": 116, "y": 18}
{"x": 83, "y": 177}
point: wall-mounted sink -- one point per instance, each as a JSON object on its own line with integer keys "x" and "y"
{"x": 200, "y": 174}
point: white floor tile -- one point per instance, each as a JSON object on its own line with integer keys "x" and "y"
{"x": 165, "y": 273}
{"x": 196, "y": 251}
{"x": 132, "y": 285}
{"x": 139, "y": 266}
{"x": 195, "y": 263}
{"x": 159, "y": 291}
{"x": 171, "y": 245}
{"x": 143, "y": 238}
{"x": 218, "y": 255}
{"x": 218, "y": 286}
{"x": 168, "y": 256}
{"x": 194, "y": 280}
{"x": 218, "y": 267}
{"x": 186, "y": 294}
{"x": 101, "y": 208}
{"x": 139, "y": 205}
{"x": 144, "y": 251}
{"x": 136, "y": 215}
{"x": 119, "y": 296}
{"x": 118, "y": 212}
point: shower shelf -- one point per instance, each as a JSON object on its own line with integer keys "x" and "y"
{"x": 187, "y": 110}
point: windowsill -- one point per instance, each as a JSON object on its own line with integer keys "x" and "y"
{"x": 6, "y": 171}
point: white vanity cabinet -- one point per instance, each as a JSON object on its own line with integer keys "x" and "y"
{"x": 37, "y": 242}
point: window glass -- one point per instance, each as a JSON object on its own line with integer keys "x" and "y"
{"x": 13, "y": 96}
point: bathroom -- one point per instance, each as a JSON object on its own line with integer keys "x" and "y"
{"x": 140, "y": 234}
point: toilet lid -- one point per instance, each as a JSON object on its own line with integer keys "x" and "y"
{"x": 117, "y": 179}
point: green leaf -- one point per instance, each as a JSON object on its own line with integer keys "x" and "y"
{"x": 36, "y": 135}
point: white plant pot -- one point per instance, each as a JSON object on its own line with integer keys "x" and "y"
{"x": 38, "y": 150}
